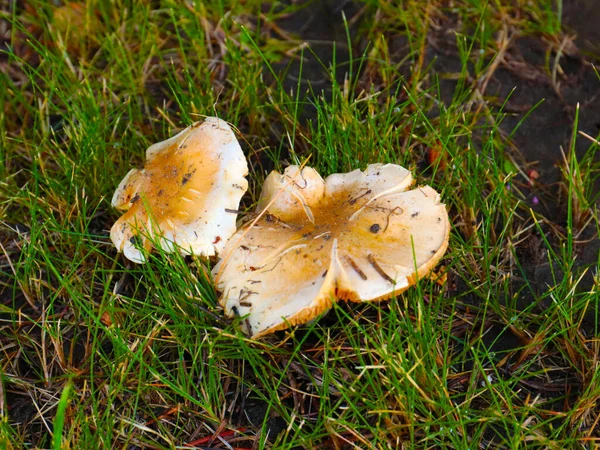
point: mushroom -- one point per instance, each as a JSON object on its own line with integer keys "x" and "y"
{"x": 359, "y": 236}
{"x": 187, "y": 195}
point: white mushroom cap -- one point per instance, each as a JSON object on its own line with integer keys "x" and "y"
{"x": 292, "y": 194}
{"x": 366, "y": 237}
{"x": 186, "y": 196}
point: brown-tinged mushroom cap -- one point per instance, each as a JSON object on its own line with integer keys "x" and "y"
{"x": 187, "y": 194}
{"x": 359, "y": 236}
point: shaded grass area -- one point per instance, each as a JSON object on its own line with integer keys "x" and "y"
{"x": 100, "y": 353}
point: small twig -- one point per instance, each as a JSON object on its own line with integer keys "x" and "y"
{"x": 587, "y": 136}
{"x": 209, "y": 439}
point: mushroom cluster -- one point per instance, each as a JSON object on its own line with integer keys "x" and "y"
{"x": 360, "y": 236}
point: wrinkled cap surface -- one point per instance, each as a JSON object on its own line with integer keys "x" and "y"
{"x": 187, "y": 195}
{"x": 358, "y": 236}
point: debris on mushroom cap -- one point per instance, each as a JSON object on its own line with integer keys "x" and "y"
{"x": 293, "y": 193}
{"x": 187, "y": 194}
{"x": 359, "y": 236}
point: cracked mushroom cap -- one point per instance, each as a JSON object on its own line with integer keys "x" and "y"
{"x": 358, "y": 236}
{"x": 186, "y": 196}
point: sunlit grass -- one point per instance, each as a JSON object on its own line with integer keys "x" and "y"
{"x": 108, "y": 354}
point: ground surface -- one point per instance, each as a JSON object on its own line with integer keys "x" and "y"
{"x": 497, "y": 106}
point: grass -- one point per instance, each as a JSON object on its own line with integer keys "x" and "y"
{"x": 97, "y": 352}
